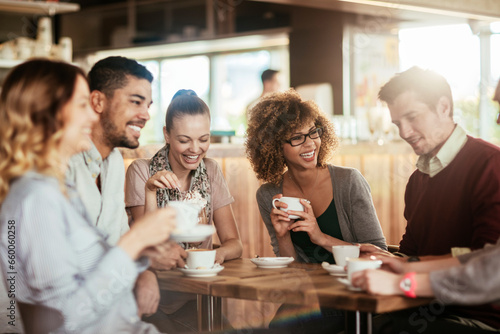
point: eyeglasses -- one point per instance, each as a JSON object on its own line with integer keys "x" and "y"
{"x": 301, "y": 139}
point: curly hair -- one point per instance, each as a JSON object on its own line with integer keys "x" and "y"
{"x": 32, "y": 97}
{"x": 274, "y": 119}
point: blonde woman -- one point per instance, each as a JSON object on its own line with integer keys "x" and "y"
{"x": 62, "y": 261}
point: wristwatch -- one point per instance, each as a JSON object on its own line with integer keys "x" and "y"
{"x": 408, "y": 284}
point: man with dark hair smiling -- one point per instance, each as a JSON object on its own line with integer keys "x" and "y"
{"x": 121, "y": 95}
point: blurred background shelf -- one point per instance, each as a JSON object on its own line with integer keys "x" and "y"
{"x": 8, "y": 63}
{"x": 38, "y": 7}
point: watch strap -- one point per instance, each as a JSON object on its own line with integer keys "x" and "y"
{"x": 409, "y": 284}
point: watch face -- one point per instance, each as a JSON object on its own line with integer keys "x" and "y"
{"x": 405, "y": 284}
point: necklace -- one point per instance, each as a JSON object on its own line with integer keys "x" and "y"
{"x": 298, "y": 187}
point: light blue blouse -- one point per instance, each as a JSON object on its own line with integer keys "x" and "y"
{"x": 62, "y": 261}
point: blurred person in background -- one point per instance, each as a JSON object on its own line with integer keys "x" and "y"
{"x": 270, "y": 84}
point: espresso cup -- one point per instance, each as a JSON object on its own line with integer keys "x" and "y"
{"x": 187, "y": 214}
{"x": 293, "y": 204}
{"x": 342, "y": 252}
{"x": 200, "y": 258}
{"x": 359, "y": 264}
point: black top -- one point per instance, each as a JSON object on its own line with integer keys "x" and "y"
{"x": 328, "y": 223}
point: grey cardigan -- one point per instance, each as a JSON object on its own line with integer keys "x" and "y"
{"x": 357, "y": 218}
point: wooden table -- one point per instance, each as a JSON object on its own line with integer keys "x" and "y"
{"x": 302, "y": 284}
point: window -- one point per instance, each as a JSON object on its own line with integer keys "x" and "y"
{"x": 454, "y": 52}
{"x": 227, "y": 82}
{"x": 495, "y": 77}
{"x": 236, "y": 84}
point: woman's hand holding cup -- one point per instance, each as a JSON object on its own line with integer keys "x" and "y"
{"x": 307, "y": 223}
{"x": 279, "y": 217}
{"x": 288, "y": 204}
{"x": 166, "y": 256}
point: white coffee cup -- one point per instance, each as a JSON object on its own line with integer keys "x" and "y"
{"x": 358, "y": 264}
{"x": 293, "y": 204}
{"x": 187, "y": 214}
{"x": 200, "y": 258}
{"x": 342, "y": 252}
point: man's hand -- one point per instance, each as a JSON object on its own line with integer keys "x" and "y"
{"x": 395, "y": 264}
{"x": 367, "y": 250}
{"x": 147, "y": 293}
{"x": 168, "y": 256}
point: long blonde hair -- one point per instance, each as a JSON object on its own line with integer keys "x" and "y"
{"x": 32, "y": 97}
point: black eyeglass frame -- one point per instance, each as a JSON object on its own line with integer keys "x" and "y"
{"x": 319, "y": 129}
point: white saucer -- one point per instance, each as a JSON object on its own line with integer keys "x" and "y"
{"x": 346, "y": 282}
{"x": 272, "y": 262}
{"x": 334, "y": 269}
{"x": 197, "y": 233}
{"x": 201, "y": 272}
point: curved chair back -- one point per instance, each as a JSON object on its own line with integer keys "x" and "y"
{"x": 39, "y": 319}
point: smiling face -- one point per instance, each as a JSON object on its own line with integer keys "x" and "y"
{"x": 78, "y": 118}
{"x": 125, "y": 113}
{"x": 424, "y": 129}
{"x": 189, "y": 140}
{"x": 302, "y": 156}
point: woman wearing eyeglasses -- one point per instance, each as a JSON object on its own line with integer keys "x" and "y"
{"x": 289, "y": 143}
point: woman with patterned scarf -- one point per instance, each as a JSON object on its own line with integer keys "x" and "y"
{"x": 177, "y": 171}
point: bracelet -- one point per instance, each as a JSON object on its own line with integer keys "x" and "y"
{"x": 409, "y": 284}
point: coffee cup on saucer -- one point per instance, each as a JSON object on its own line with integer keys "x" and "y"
{"x": 359, "y": 264}
{"x": 342, "y": 252}
{"x": 200, "y": 258}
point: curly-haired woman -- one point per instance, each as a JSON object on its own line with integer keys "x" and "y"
{"x": 289, "y": 143}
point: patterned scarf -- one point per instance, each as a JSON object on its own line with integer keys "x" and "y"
{"x": 199, "y": 190}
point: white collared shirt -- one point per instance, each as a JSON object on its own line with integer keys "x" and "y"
{"x": 106, "y": 208}
{"x": 448, "y": 152}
